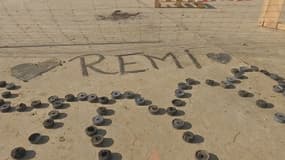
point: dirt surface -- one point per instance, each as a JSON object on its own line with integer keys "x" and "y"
{"x": 230, "y": 127}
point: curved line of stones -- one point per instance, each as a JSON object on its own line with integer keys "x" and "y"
{"x": 229, "y": 83}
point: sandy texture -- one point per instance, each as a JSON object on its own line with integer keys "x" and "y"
{"x": 232, "y": 127}
{"x": 229, "y": 124}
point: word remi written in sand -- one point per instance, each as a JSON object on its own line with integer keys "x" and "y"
{"x": 125, "y": 63}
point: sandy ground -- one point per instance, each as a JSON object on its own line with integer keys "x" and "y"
{"x": 231, "y": 127}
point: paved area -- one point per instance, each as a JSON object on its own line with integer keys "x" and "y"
{"x": 231, "y": 127}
